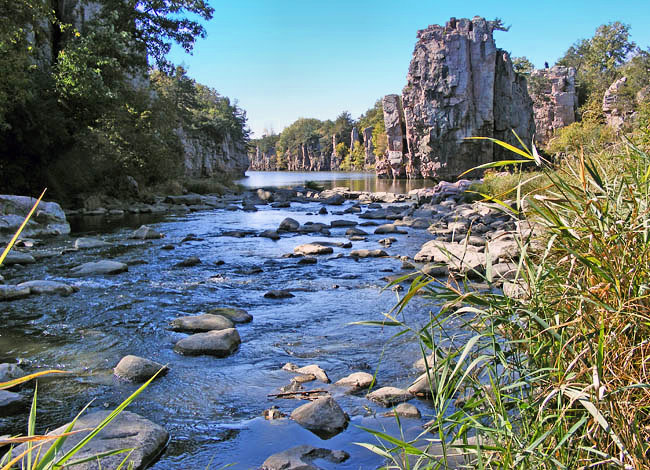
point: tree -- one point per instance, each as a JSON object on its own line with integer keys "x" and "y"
{"x": 155, "y": 24}
{"x": 522, "y": 65}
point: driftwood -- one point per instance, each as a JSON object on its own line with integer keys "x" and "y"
{"x": 300, "y": 394}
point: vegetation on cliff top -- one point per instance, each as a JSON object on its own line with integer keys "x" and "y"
{"x": 79, "y": 106}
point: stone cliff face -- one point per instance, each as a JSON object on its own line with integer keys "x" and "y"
{"x": 459, "y": 85}
{"x": 206, "y": 157}
{"x": 555, "y": 101}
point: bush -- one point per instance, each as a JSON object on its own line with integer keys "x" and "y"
{"x": 588, "y": 136}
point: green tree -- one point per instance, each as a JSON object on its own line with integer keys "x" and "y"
{"x": 522, "y": 65}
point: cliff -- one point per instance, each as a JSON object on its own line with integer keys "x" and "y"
{"x": 206, "y": 157}
{"x": 459, "y": 85}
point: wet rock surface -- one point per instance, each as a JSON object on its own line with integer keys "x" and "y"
{"x": 323, "y": 417}
{"x": 137, "y": 369}
{"x": 302, "y": 457}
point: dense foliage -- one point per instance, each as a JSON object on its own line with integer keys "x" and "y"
{"x": 79, "y": 107}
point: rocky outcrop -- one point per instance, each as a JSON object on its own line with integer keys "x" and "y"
{"x": 459, "y": 85}
{"x": 391, "y": 165}
{"x": 48, "y": 220}
{"x": 260, "y": 160}
{"x": 555, "y": 101}
{"x": 369, "y": 148}
{"x": 617, "y": 107}
{"x": 206, "y": 157}
{"x": 308, "y": 156}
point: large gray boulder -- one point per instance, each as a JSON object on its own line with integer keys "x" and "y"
{"x": 48, "y": 220}
{"x": 95, "y": 268}
{"x": 201, "y": 323}
{"x": 137, "y": 369}
{"x": 324, "y": 417}
{"x": 289, "y": 225}
{"x": 219, "y": 343}
{"x": 127, "y": 431}
{"x": 18, "y": 257}
{"x": 302, "y": 457}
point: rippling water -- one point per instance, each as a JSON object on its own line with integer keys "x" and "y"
{"x": 212, "y": 407}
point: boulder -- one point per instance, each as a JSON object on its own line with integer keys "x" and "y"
{"x": 188, "y": 263}
{"x": 368, "y": 254}
{"x": 302, "y": 457}
{"x": 48, "y": 220}
{"x": 423, "y": 385}
{"x": 127, "y": 431}
{"x": 459, "y": 257}
{"x": 404, "y": 410}
{"x": 312, "y": 369}
{"x": 201, "y": 323}
{"x": 10, "y": 292}
{"x": 289, "y": 225}
{"x": 146, "y": 233}
{"x": 272, "y": 234}
{"x": 356, "y": 381}
{"x": 237, "y": 315}
{"x": 88, "y": 243}
{"x": 219, "y": 343}
{"x": 356, "y": 232}
{"x": 389, "y": 396}
{"x": 278, "y": 294}
{"x": 137, "y": 369}
{"x": 11, "y": 403}
{"x": 48, "y": 287}
{"x": 312, "y": 249}
{"x": 10, "y": 372}
{"x": 388, "y": 228}
{"x": 342, "y": 223}
{"x": 18, "y": 257}
{"x": 98, "y": 268}
{"x": 324, "y": 417}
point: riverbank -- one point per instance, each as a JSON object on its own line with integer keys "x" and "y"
{"x": 239, "y": 253}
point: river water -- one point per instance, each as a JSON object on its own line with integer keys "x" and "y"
{"x": 213, "y": 407}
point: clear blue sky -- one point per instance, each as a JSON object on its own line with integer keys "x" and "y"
{"x": 285, "y": 59}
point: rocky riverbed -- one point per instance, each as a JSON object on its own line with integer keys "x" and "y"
{"x": 247, "y": 299}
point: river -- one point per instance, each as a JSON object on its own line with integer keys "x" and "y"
{"x": 213, "y": 407}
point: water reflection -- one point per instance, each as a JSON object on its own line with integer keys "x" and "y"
{"x": 358, "y": 181}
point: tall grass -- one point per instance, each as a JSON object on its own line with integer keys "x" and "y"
{"x": 558, "y": 379}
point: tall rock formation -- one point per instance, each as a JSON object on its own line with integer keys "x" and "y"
{"x": 555, "y": 101}
{"x": 459, "y": 85}
{"x": 369, "y": 148}
{"x": 392, "y": 164}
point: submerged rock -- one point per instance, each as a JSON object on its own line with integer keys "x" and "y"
{"x": 11, "y": 403}
{"x": 146, "y": 233}
{"x": 237, "y": 315}
{"x": 10, "y": 372}
{"x": 302, "y": 457}
{"x": 201, "y": 323}
{"x": 188, "y": 263}
{"x": 219, "y": 343}
{"x": 10, "y": 292}
{"x": 289, "y": 225}
{"x": 88, "y": 243}
{"x": 272, "y": 234}
{"x": 388, "y": 228}
{"x": 137, "y": 369}
{"x": 278, "y": 294}
{"x": 48, "y": 287}
{"x": 324, "y": 417}
{"x": 127, "y": 431}
{"x": 98, "y": 268}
